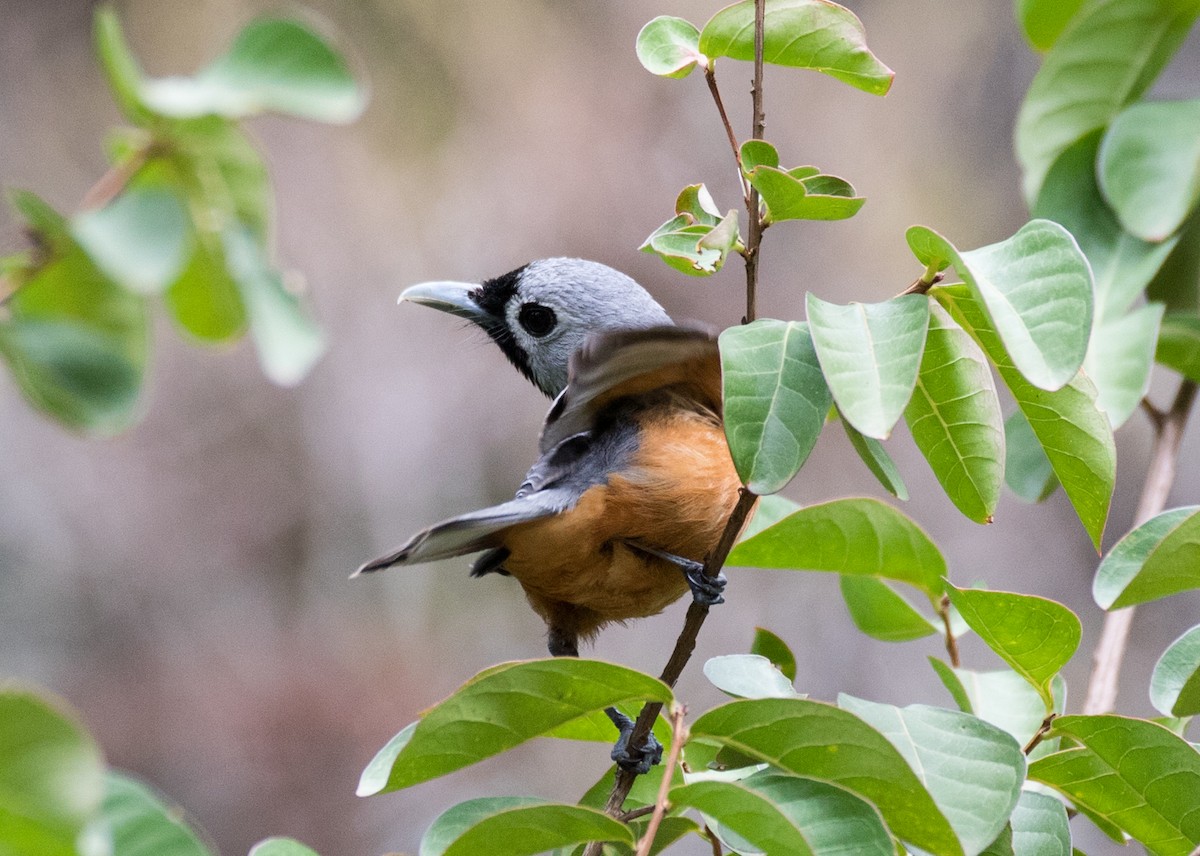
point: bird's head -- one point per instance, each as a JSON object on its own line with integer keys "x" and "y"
{"x": 540, "y": 314}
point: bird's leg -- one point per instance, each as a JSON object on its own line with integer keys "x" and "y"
{"x": 706, "y": 590}
{"x": 565, "y": 643}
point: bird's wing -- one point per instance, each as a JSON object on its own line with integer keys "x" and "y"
{"x": 475, "y": 531}
{"x": 620, "y": 363}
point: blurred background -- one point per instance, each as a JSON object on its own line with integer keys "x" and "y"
{"x": 185, "y": 585}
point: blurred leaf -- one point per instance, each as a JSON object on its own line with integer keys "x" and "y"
{"x": 1157, "y": 559}
{"x": 1043, "y": 21}
{"x": 517, "y": 826}
{"x": 142, "y": 824}
{"x": 1150, "y": 166}
{"x": 947, "y": 748}
{"x": 498, "y": 709}
{"x": 756, "y": 153}
{"x": 204, "y": 300}
{"x": 775, "y": 400}
{"x": 767, "y": 644}
{"x": 1119, "y": 360}
{"x": 223, "y": 175}
{"x": 748, "y": 676}
{"x": 872, "y": 453}
{"x": 954, "y": 417}
{"x": 1034, "y": 635}
{"x": 870, "y": 354}
{"x": 818, "y": 741}
{"x": 1027, "y": 470}
{"x": 1037, "y": 290}
{"x": 288, "y": 341}
{"x": 1073, "y": 431}
{"x": 768, "y": 511}
{"x": 1179, "y": 344}
{"x": 669, "y": 47}
{"x": 1177, "y": 283}
{"x": 1122, "y": 265}
{"x": 848, "y": 536}
{"x": 814, "y": 34}
{"x": 51, "y": 774}
{"x": 883, "y": 613}
{"x": 1175, "y": 684}
{"x": 274, "y": 64}
{"x": 776, "y": 813}
{"x": 281, "y": 847}
{"x": 1040, "y": 827}
{"x": 1107, "y": 56}
{"x": 119, "y": 64}
{"x": 800, "y": 195}
{"x": 140, "y": 239}
{"x": 1131, "y": 773}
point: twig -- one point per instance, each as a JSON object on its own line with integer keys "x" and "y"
{"x": 110, "y": 185}
{"x": 752, "y": 207}
{"x": 710, "y": 76}
{"x": 716, "y": 844}
{"x": 1164, "y": 460}
{"x": 627, "y": 816}
{"x": 951, "y": 642}
{"x": 678, "y": 738}
{"x": 1040, "y": 733}
{"x": 924, "y": 282}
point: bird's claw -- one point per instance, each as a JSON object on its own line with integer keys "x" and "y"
{"x": 633, "y": 760}
{"x": 706, "y": 590}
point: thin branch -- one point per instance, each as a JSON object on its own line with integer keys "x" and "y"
{"x": 118, "y": 176}
{"x": 752, "y": 207}
{"x": 678, "y": 737}
{"x": 1040, "y": 734}
{"x": 924, "y": 282}
{"x": 1164, "y": 461}
{"x": 627, "y": 816}
{"x": 716, "y": 844}
{"x": 710, "y": 75}
{"x": 951, "y": 642}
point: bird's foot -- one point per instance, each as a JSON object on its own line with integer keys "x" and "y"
{"x": 636, "y": 760}
{"x": 706, "y": 590}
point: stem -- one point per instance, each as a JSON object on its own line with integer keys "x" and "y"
{"x": 924, "y": 282}
{"x": 1164, "y": 461}
{"x": 110, "y": 185}
{"x": 1040, "y": 733}
{"x": 716, "y": 845}
{"x": 678, "y": 736}
{"x": 951, "y": 642}
{"x": 710, "y": 75}
{"x": 752, "y": 206}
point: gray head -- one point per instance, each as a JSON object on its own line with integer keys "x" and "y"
{"x": 540, "y": 314}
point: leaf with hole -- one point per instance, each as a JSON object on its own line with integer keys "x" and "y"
{"x": 498, "y": 709}
{"x": 849, "y": 536}
{"x": 1157, "y": 559}
{"x": 775, "y": 400}
{"x": 814, "y": 34}
{"x": 669, "y": 47}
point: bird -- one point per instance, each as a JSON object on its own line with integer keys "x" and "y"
{"x": 633, "y": 485}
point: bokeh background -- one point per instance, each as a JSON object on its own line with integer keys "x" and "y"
{"x": 185, "y": 585}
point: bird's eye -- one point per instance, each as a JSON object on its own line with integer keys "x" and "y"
{"x": 537, "y": 320}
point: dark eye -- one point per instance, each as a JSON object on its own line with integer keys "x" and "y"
{"x": 537, "y": 320}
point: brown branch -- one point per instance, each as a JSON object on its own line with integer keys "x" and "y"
{"x": 1164, "y": 460}
{"x": 951, "y": 642}
{"x": 752, "y": 207}
{"x": 710, "y": 75}
{"x": 678, "y": 737}
{"x": 118, "y": 176}
{"x": 1040, "y": 733}
{"x": 923, "y": 283}
{"x": 716, "y": 844}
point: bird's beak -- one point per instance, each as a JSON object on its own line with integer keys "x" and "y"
{"x": 452, "y": 297}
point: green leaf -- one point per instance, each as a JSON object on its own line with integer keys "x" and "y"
{"x": 677, "y": 242}
{"x": 274, "y": 64}
{"x": 748, "y": 676}
{"x": 767, "y": 644}
{"x": 848, "y": 536}
{"x": 1150, "y": 166}
{"x": 768, "y": 511}
{"x": 222, "y": 174}
{"x": 878, "y": 461}
{"x": 818, "y": 741}
{"x": 1177, "y": 283}
{"x": 1122, "y": 265}
{"x": 1131, "y": 773}
{"x": 1034, "y": 635}
{"x": 1072, "y": 430}
{"x": 1106, "y": 57}
{"x": 51, "y": 774}
{"x": 870, "y": 354}
{"x": 696, "y": 202}
{"x": 142, "y": 824}
{"x": 1157, "y": 559}
{"x": 1005, "y": 699}
{"x": 1179, "y": 344}
{"x": 947, "y": 748}
{"x": 1119, "y": 360}
{"x": 281, "y": 847}
{"x": 119, "y": 64}
{"x": 954, "y": 417}
{"x": 288, "y": 341}
{"x": 669, "y": 47}
{"x": 1175, "y": 684}
{"x": 1043, "y": 21}
{"x": 140, "y": 239}
{"x": 1039, "y": 826}
{"x": 799, "y": 194}
{"x": 1037, "y": 290}
{"x": 814, "y": 34}
{"x": 498, "y": 709}
{"x": 775, "y": 400}
{"x": 883, "y": 613}
{"x": 776, "y": 813}
{"x": 204, "y": 300}
{"x": 1027, "y": 470}
{"x": 756, "y": 153}
{"x": 517, "y": 826}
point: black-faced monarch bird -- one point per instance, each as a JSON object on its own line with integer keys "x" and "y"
{"x": 634, "y": 483}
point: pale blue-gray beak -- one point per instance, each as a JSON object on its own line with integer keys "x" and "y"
{"x": 452, "y": 297}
